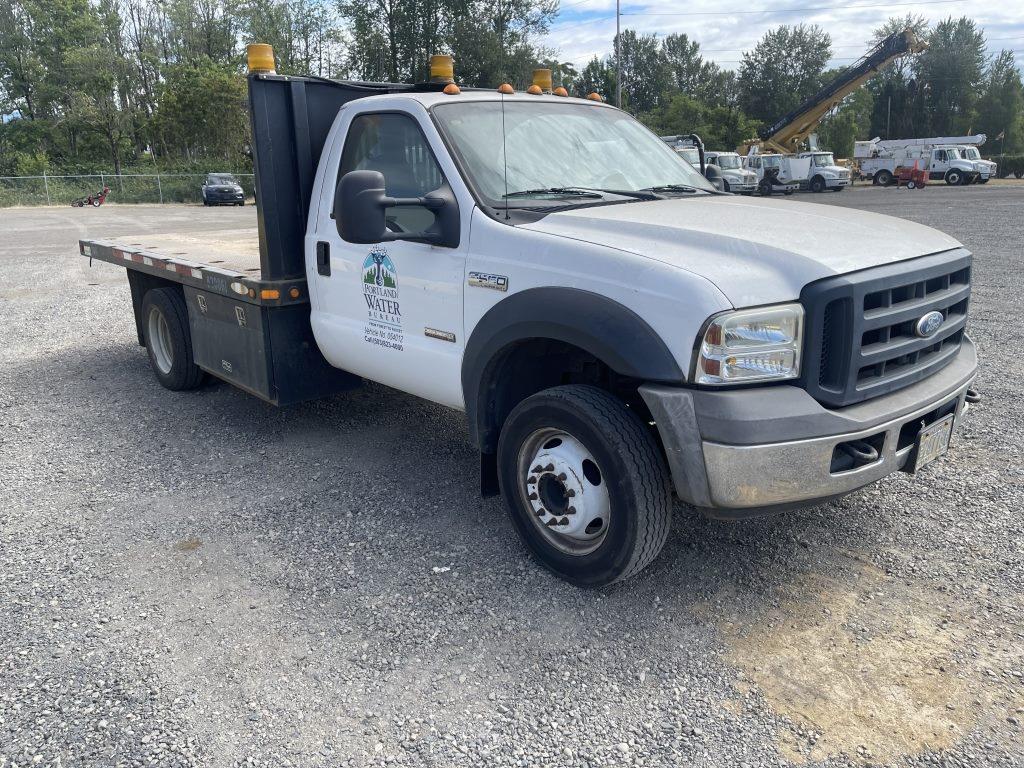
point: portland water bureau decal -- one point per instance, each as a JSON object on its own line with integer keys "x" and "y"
{"x": 380, "y": 290}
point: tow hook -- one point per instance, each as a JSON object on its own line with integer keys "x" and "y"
{"x": 972, "y": 396}
{"x": 860, "y": 451}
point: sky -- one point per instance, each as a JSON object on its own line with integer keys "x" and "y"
{"x": 725, "y": 28}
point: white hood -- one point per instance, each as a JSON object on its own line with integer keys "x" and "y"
{"x": 755, "y": 251}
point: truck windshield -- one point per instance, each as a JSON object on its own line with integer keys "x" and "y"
{"x": 690, "y": 154}
{"x": 823, "y": 159}
{"x": 728, "y": 162}
{"x": 558, "y": 146}
{"x": 972, "y": 153}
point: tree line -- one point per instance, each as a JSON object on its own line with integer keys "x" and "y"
{"x": 87, "y": 85}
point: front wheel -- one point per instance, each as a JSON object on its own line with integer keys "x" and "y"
{"x": 817, "y": 184}
{"x": 954, "y": 178}
{"x": 725, "y": 186}
{"x": 585, "y": 484}
{"x": 983, "y": 181}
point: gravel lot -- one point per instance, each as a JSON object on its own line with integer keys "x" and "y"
{"x": 200, "y": 579}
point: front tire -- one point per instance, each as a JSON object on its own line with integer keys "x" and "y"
{"x": 168, "y": 340}
{"x": 817, "y": 184}
{"x": 585, "y": 484}
{"x": 725, "y": 186}
{"x": 954, "y": 178}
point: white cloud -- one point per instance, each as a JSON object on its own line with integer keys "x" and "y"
{"x": 586, "y": 28}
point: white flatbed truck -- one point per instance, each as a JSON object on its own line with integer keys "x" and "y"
{"x": 612, "y": 326}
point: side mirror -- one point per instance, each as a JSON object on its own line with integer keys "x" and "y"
{"x": 360, "y": 212}
{"x": 712, "y": 174}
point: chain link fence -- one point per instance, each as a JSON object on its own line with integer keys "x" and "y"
{"x": 124, "y": 188}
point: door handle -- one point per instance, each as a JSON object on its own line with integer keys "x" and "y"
{"x": 323, "y": 259}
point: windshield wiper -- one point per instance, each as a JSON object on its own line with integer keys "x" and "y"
{"x": 672, "y": 188}
{"x": 563, "y": 191}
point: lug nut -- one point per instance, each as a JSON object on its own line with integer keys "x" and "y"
{"x": 571, "y": 511}
{"x": 532, "y": 497}
{"x": 531, "y": 480}
{"x": 571, "y": 492}
{"x": 561, "y": 476}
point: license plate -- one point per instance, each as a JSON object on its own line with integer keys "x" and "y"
{"x": 933, "y": 441}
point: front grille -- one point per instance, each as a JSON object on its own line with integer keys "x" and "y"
{"x": 861, "y": 339}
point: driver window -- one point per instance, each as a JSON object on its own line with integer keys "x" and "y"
{"x": 393, "y": 144}
{"x": 940, "y": 156}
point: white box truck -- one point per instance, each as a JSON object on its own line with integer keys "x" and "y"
{"x": 613, "y": 328}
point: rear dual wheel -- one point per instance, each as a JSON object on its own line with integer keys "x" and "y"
{"x": 168, "y": 339}
{"x": 585, "y": 484}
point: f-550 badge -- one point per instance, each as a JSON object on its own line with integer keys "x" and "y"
{"x": 485, "y": 280}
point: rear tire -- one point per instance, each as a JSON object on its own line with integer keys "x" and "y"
{"x": 884, "y": 178}
{"x": 579, "y": 448}
{"x": 168, "y": 340}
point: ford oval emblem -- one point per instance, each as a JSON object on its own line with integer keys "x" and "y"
{"x": 929, "y": 324}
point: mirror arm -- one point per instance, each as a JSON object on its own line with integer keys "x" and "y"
{"x": 433, "y": 203}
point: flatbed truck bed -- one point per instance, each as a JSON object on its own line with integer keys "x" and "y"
{"x": 248, "y": 330}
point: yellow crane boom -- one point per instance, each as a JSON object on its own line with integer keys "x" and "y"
{"x": 786, "y": 134}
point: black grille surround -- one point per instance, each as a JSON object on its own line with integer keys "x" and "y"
{"x": 860, "y": 340}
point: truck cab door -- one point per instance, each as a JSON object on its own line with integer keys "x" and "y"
{"x": 392, "y": 311}
{"x": 939, "y": 163}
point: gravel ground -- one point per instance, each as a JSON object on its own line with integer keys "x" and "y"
{"x": 200, "y": 579}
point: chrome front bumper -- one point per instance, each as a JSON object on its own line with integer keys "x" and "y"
{"x": 743, "y": 477}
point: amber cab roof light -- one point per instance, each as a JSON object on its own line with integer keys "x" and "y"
{"x": 541, "y": 81}
{"x": 442, "y": 69}
{"x": 260, "y": 59}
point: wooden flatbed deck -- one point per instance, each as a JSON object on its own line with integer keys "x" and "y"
{"x": 234, "y": 249}
{"x": 224, "y": 261}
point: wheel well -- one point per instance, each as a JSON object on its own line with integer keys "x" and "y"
{"x": 526, "y": 367}
{"x": 140, "y": 284}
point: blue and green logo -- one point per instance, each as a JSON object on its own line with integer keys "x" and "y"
{"x": 378, "y": 269}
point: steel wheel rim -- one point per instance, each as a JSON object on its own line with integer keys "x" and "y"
{"x": 160, "y": 340}
{"x": 564, "y": 491}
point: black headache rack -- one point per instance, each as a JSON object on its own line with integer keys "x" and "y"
{"x": 291, "y": 117}
{"x": 254, "y": 330}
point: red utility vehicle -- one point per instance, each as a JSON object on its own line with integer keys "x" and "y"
{"x": 94, "y": 200}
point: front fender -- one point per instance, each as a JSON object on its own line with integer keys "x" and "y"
{"x": 606, "y": 329}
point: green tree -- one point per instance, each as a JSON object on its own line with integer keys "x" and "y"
{"x": 597, "y": 77}
{"x": 784, "y": 68}
{"x": 949, "y": 76}
{"x": 1001, "y": 105}
{"x": 645, "y": 74}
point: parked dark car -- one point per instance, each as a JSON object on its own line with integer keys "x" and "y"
{"x": 222, "y": 189}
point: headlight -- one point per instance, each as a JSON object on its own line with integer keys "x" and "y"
{"x": 751, "y": 345}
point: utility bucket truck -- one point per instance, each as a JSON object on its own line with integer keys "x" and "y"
{"x": 788, "y": 172}
{"x": 943, "y": 157}
{"x": 613, "y": 328}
